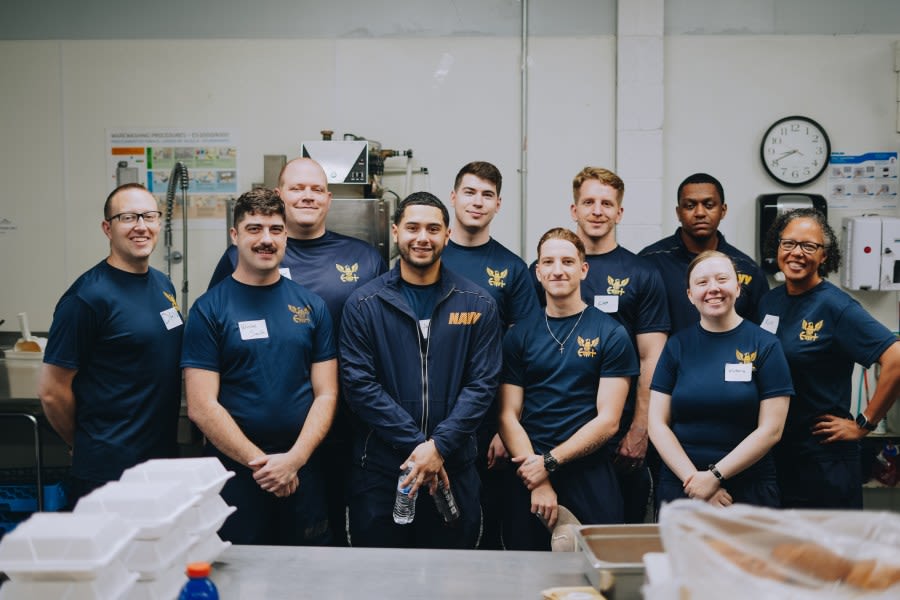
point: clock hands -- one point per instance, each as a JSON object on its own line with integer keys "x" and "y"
{"x": 786, "y": 154}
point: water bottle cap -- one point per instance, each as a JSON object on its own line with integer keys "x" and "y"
{"x": 198, "y": 569}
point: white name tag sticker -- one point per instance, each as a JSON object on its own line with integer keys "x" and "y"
{"x": 285, "y": 272}
{"x": 738, "y": 371}
{"x": 425, "y": 327}
{"x": 171, "y": 319}
{"x": 608, "y": 304}
{"x": 770, "y": 323}
{"x": 253, "y": 330}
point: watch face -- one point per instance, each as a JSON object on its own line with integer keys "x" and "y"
{"x": 795, "y": 150}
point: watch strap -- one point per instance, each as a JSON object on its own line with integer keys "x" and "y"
{"x": 863, "y": 422}
{"x": 715, "y": 471}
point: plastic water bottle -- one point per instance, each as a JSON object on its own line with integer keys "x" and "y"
{"x": 446, "y": 503}
{"x": 404, "y": 505}
{"x": 199, "y": 586}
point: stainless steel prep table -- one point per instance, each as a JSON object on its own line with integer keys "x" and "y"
{"x": 253, "y": 572}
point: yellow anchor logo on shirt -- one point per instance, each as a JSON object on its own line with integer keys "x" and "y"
{"x": 171, "y": 299}
{"x": 496, "y": 278}
{"x": 301, "y": 315}
{"x": 348, "y": 272}
{"x": 810, "y": 329}
{"x": 746, "y": 358}
{"x": 616, "y": 286}
{"x": 586, "y": 347}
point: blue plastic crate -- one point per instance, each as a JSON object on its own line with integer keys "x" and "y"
{"x": 23, "y": 498}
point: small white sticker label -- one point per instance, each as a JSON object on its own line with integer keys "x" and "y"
{"x": 608, "y": 304}
{"x": 171, "y": 318}
{"x": 738, "y": 371}
{"x": 770, "y": 323}
{"x": 424, "y": 327}
{"x": 254, "y": 330}
{"x": 285, "y": 272}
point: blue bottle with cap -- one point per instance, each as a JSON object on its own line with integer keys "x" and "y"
{"x": 199, "y": 586}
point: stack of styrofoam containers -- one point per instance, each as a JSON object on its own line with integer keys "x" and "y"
{"x": 159, "y": 548}
{"x": 204, "y": 477}
{"x": 64, "y": 555}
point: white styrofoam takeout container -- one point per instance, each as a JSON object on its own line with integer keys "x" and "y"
{"x": 54, "y": 546}
{"x": 205, "y": 476}
{"x": 113, "y": 582}
{"x": 152, "y": 507}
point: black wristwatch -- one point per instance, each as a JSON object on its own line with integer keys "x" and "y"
{"x": 550, "y": 462}
{"x": 863, "y": 423}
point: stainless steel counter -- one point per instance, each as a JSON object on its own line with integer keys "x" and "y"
{"x": 254, "y": 572}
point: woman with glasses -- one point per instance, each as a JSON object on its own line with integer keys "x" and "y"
{"x": 719, "y": 397}
{"x": 824, "y": 332}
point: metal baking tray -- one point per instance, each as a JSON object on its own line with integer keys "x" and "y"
{"x": 617, "y": 550}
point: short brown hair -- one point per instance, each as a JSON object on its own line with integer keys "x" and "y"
{"x": 481, "y": 170}
{"x": 561, "y": 233}
{"x": 604, "y": 176}
{"x": 258, "y": 201}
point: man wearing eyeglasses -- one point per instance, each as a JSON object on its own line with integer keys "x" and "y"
{"x": 111, "y": 383}
{"x": 701, "y": 207}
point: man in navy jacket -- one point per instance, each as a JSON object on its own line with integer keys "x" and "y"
{"x": 420, "y": 361}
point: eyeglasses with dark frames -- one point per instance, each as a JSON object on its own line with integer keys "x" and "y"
{"x": 151, "y": 217}
{"x": 805, "y": 247}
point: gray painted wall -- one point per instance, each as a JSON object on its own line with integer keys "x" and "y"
{"x": 260, "y": 19}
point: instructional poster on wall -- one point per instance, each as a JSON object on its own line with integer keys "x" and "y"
{"x": 863, "y": 181}
{"x": 148, "y": 156}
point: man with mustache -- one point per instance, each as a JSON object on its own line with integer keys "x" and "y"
{"x": 420, "y": 359}
{"x": 260, "y": 372}
{"x": 332, "y": 266}
{"x": 701, "y": 207}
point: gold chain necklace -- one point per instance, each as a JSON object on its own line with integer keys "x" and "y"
{"x": 562, "y": 344}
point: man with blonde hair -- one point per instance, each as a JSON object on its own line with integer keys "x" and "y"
{"x": 566, "y": 374}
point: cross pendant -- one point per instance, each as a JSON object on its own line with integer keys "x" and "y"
{"x": 561, "y": 348}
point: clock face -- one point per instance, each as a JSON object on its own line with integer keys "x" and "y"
{"x": 795, "y": 150}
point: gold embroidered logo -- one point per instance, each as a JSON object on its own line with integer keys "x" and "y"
{"x": 586, "y": 347}
{"x": 616, "y": 286}
{"x": 496, "y": 278}
{"x": 301, "y": 315}
{"x": 171, "y": 299}
{"x": 746, "y": 358}
{"x": 744, "y": 279}
{"x": 464, "y": 318}
{"x": 348, "y": 272}
{"x": 810, "y": 329}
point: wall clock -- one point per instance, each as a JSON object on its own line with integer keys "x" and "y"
{"x": 795, "y": 150}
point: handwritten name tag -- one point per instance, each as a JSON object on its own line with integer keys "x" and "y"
{"x": 738, "y": 371}
{"x": 253, "y": 330}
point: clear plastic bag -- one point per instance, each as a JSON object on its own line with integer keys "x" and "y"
{"x": 750, "y": 552}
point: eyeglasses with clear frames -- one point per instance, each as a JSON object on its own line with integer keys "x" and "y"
{"x": 805, "y": 247}
{"x": 151, "y": 217}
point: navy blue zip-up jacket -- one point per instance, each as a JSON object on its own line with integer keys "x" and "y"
{"x": 407, "y": 390}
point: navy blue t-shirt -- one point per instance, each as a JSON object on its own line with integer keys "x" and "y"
{"x": 262, "y": 340}
{"x": 331, "y": 266}
{"x": 630, "y": 289}
{"x": 122, "y": 332}
{"x": 561, "y": 388}
{"x": 715, "y": 395}
{"x": 500, "y": 273}
{"x": 672, "y": 259}
{"x": 824, "y": 332}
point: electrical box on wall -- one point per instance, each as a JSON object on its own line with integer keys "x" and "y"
{"x": 870, "y": 245}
